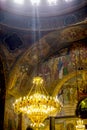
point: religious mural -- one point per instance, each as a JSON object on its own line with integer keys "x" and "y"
{"x": 57, "y": 68}
{"x": 53, "y": 71}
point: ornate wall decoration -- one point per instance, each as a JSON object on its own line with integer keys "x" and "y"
{"x": 73, "y": 34}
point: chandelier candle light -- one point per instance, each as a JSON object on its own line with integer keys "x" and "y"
{"x": 80, "y": 125}
{"x": 37, "y": 105}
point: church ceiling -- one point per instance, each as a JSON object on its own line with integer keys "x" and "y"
{"x": 23, "y": 47}
{"x": 44, "y": 23}
{"x": 56, "y": 8}
{"x": 13, "y": 45}
{"x": 39, "y": 53}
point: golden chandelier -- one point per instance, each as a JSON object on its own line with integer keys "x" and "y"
{"x": 80, "y": 125}
{"x": 37, "y": 105}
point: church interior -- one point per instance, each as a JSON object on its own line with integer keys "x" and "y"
{"x": 43, "y": 65}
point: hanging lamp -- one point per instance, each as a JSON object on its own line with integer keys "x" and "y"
{"x": 38, "y": 104}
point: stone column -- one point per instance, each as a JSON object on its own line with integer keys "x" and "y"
{"x": 2, "y": 96}
{"x": 52, "y": 123}
{"x": 20, "y": 121}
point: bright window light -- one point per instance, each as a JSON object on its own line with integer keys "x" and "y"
{"x": 68, "y": 0}
{"x": 2, "y": 0}
{"x": 52, "y": 2}
{"x": 19, "y": 1}
{"x": 35, "y": 2}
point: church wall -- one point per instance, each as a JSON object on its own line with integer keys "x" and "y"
{"x": 53, "y": 71}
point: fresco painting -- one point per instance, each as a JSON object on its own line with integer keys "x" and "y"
{"x": 54, "y": 70}
{"x": 11, "y": 118}
{"x": 11, "y": 121}
{"x": 58, "y": 67}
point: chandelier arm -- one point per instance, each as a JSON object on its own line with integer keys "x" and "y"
{"x": 45, "y": 90}
{"x": 31, "y": 90}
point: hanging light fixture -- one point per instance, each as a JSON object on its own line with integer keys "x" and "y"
{"x": 80, "y": 125}
{"x": 37, "y": 105}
